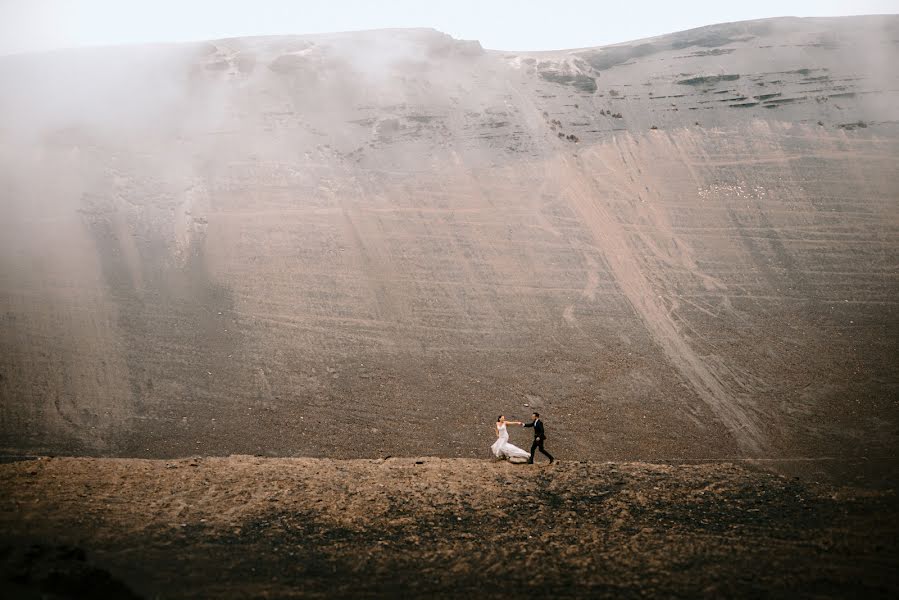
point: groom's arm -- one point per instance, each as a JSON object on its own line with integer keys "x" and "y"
{"x": 531, "y": 424}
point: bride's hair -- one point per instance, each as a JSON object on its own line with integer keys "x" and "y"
{"x": 499, "y": 418}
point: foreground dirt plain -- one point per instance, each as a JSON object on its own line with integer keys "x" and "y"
{"x": 248, "y": 527}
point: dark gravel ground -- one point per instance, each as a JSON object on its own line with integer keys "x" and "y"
{"x": 243, "y": 527}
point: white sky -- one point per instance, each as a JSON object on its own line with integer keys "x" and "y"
{"x": 28, "y": 25}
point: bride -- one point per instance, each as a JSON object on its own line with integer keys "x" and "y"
{"x": 501, "y": 447}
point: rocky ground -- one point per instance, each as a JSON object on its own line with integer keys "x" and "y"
{"x": 261, "y": 527}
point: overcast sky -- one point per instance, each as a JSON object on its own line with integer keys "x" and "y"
{"x": 28, "y": 25}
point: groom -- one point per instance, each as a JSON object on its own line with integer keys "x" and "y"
{"x": 539, "y": 438}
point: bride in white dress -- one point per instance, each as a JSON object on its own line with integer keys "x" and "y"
{"x": 502, "y": 448}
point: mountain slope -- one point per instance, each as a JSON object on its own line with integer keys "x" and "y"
{"x": 374, "y": 243}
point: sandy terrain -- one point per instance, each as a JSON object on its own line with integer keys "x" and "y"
{"x": 278, "y": 528}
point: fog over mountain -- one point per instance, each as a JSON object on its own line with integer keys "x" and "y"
{"x": 362, "y": 244}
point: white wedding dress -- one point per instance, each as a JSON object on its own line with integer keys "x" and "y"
{"x": 503, "y": 449}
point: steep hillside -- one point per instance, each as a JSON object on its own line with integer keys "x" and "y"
{"x": 362, "y": 244}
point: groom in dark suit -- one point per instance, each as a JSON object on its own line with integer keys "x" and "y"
{"x": 539, "y": 438}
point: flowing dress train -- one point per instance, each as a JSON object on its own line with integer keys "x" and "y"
{"x": 503, "y": 449}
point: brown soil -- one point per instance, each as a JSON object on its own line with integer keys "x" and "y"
{"x": 256, "y": 527}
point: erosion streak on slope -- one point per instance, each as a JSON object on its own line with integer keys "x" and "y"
{"x": 590, "y": 196}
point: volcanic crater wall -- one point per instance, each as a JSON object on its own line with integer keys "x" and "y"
{"x": 373, "y": 243}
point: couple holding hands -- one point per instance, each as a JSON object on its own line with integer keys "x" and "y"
{"x": 503, "y": 449}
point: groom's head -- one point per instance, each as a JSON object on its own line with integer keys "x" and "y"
{"x": 535, "y": 416}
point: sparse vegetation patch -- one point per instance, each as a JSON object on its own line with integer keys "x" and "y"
{"x": 707, "y": 79}
{"x": 579, "y": 81}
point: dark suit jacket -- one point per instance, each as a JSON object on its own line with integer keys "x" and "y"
{"x": 538, "y": 429}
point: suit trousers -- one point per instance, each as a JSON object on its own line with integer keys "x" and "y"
{"x": 538, "y": 445}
